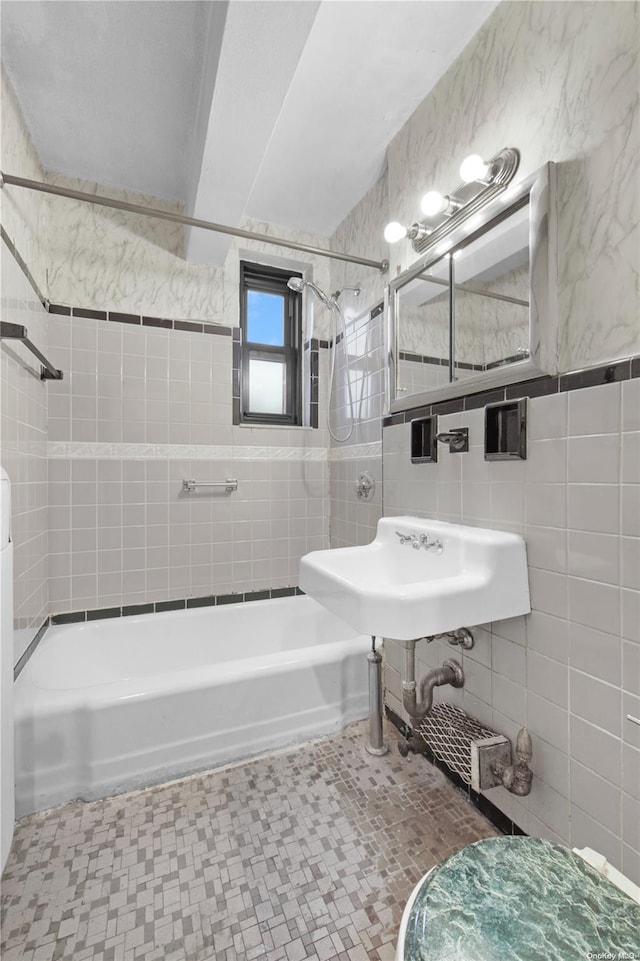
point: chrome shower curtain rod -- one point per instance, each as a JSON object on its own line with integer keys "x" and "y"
{"x": 187, "y": 221}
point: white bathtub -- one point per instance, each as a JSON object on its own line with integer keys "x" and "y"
{"x": 107, "y": 706}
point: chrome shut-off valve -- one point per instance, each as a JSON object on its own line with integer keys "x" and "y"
{"x": 516, "y": 778}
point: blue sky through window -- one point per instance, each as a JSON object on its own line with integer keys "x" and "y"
{"x": 265, "y": 318}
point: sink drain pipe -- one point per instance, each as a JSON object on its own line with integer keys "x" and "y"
{"x": 418, "y": 698}
{"x": 376, "y": 744}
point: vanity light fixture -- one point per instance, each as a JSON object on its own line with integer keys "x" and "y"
{"x": 395, "y": 231}
{"x": 481, "y": 182}
{"x": 473, "y": 168}
{"x": 433, "y": 203}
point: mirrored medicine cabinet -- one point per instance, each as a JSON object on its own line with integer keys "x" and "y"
{"x": 479, "y": 309}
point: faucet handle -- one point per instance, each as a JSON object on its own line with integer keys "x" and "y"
{"x": 431, "y": 544}
{"x": 524, "y": 746}
{"x": 405, "y": 538}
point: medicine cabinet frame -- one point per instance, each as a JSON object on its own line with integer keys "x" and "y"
{"x": 539, "y": 190}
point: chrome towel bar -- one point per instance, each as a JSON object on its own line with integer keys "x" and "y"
{"x": 229, "y": 485}
{"x": 10, "y": 331}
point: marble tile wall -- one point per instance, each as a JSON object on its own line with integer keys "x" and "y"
{"x": 23, "y": 437}
{"x": 361, "y": 233}
{"x": 559, "y": 81}
{"x": 24, "y": 212}
{"x": 415, "y": 376}
{"x": 109, "y": 259}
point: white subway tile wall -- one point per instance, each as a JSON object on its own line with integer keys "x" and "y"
{"x": 570, "y": 670}
{"x": 141, "y": 410}
{"x": 24, "y": 450}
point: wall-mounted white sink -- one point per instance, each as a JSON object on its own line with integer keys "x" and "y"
{"x": 421, "y": 577}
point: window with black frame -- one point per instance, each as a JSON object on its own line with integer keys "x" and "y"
{"x": 270, "y": 321}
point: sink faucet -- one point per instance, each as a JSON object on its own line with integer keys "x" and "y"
{"x": 421, "y": 540}
{"x": 405, "y": 538}
{"x": 431, "y": 545}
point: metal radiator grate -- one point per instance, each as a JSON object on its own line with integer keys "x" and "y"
{"x": 449, "y": 732}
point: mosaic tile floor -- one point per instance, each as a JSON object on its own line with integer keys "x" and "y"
{"x": 309, "y": 853}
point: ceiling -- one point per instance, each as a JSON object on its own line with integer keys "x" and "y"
{"x": 278, "y": 110}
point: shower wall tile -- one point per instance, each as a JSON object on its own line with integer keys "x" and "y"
{"x": 156, "y": 542}
{"x": 132, "y": 423}
{"x": 354, "y": 519}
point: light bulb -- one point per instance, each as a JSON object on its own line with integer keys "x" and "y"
{"x": 433, "y": 203}
{"x": 473, "y": 168}
{"x": 394, "y": 232}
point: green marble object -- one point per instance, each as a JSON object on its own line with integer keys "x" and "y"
{"x": 520, "y": 899}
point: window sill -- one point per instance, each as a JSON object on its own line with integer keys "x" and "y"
{"x": 276, "y": 426}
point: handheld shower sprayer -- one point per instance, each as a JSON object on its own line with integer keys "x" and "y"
{"x": 298, "y": 284}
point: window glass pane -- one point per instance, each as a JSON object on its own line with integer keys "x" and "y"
{"x": 267, "y": 386}
{"x": 265, "y": 318}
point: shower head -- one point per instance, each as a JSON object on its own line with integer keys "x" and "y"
{"x": 338, "y": 293}
{"x": 298, "y": 284}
